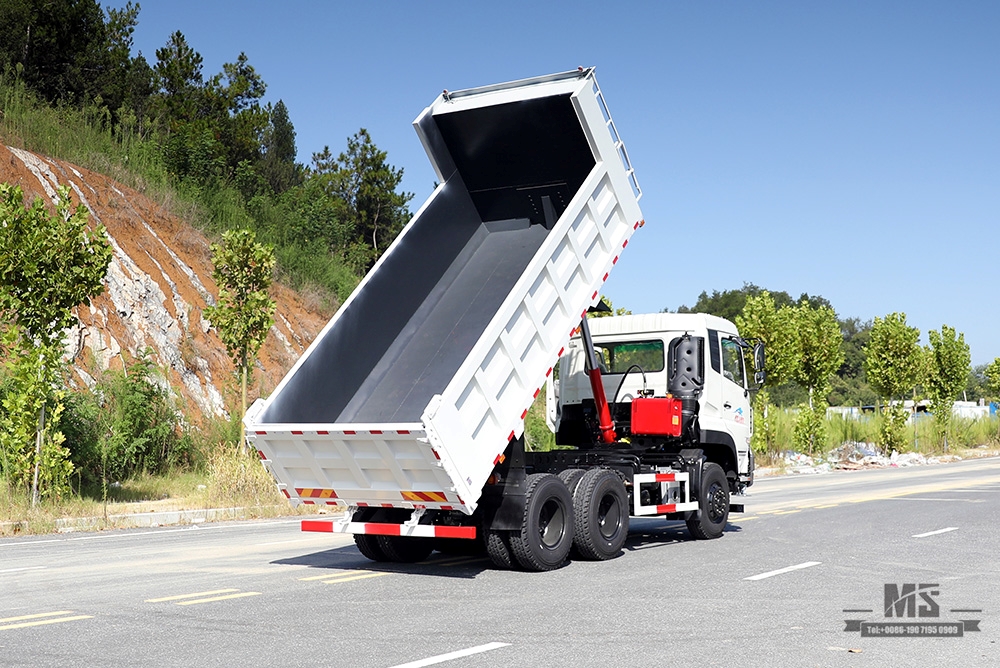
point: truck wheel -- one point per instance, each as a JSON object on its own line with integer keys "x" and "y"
{"x": 405, "y": 549}
{"x": 600, "y": 511}
{"x": 498, "y": 549}
{"x": 368, "y": 546}
{"x": 572, "y": 478}
{"x": 546, "y": 534}
{"x": 713, "y": 503}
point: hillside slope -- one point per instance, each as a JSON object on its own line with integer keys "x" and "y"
{"x": 158, "y": 284}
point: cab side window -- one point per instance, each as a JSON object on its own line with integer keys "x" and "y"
{"x": 732, "y": 362}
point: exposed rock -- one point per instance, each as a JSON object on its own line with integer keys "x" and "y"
{"x": 158, "y": 284}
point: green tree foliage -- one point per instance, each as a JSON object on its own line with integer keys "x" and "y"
{"x": 949, "y": 364}
{"x": 365, "y": 184}
{"x": 893, "y": 366}
{"x": 125, "y": 427}
{"x": 992, "y": 373}
{"x": 278, "y": 167}
{"x": 48, "y": 265}
{"x": 730, "y": 303}
{"x": 243, "y": 270}
{"x": 820, "y": 341}
{"x": 761, "y": 319}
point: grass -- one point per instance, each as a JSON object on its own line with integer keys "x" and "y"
{"x": 230, "y": 479}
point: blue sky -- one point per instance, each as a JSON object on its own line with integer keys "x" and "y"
{"x": 846, "y": 149}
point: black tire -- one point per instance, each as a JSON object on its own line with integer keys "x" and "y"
{"x": 546, "y": 534}
{"x": 368, "y": 546}
{"x": 405, "y": 549}
{"x": 498, "y": 549}
{"x": 572, "y": 478}
{"x": 601, "y": 513}
{"x": 713, "y": 502}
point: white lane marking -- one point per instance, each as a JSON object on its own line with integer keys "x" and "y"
{"x": 441, "y": 658}
{"x": 26, "y": 568}
{"x": 796, "y": 567}
{"x": 934, "y": 533}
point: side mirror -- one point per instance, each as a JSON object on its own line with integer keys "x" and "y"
{"x": 760, "y": 374}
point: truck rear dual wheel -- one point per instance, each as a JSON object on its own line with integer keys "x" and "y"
{"x": 498, "y": 549}
{"x": 600, "y": 511}
{"x": 713, "y": 500}
{"x": 369, "y": 547}
{"x": 546, "y": 534}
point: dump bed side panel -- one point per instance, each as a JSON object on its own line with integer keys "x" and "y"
{"x": 485, "y": 404}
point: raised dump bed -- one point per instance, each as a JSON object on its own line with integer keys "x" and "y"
{"x": 411, "y": 393}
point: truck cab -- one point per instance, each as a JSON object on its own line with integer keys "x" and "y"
{"x": 634, "y": 353}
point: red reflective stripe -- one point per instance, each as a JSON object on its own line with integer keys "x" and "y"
{"x": 308, "y": 502}
{"x": 562, "y": 350}
{"x": 261, "y": 433}
{"x": 549, "y": 372}
{"x": 381, "y": 529}
{"x": 606, "y": 276}
{"x": 594, "y": 296}
{"x": 261, "y": 454}
{"x": 436, "y": 455}
{"x": 317, "y": 525}
{"x": 669, "y": 508}
{"x": 375, "y": 432}
{"x": 636, "y": 226}
{"x": 625, "y": 244}
{"x": 350, "y": 433}
{"x": 362, "y": 504}
{"x": 388, "y": 505}
{"x": 583, "y": 315}
{"x": 524, "y": 413}
{"x": 454, "y": 532}
{"x": 537, "y": 392}
{"x": 498, "y": 459}
{"x": 285, "y": 492}
{"x": 615, "y": 261}
{"x": 297, "y": 433}
{"x": 402, "y": 432}
{"x": 664, "y": 477}
{"x": 447, "y": 508}
{"x": 511, "y": 437}
{"x": 324, "y": 433}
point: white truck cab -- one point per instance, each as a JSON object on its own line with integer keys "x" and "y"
{"x": 634, "y": 354}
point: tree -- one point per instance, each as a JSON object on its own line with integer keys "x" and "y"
{"x": 621, "y": 310}
{"x": 366, "y": 184}
{"x": 892, "y": 366}
{"x": 992, "y": 373}
{"x": 820, "y": 341}
{"x": 950, "y": 364}
{"x": 243, "y": 270}
{"x": 48, "y": 265}
{"x": 278, "y": 164}
{"x": 762, "y": 319}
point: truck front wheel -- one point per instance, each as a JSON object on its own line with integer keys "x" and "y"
{"x": 546, "y": 534}
{"x": 713, "y": 504}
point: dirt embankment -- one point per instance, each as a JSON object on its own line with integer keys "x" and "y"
{"x": 157, "y": 287}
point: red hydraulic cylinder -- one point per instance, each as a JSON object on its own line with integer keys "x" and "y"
{"x": 605, "y": 423}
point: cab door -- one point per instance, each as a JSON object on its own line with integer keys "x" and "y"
{"x": 736, "y": 412}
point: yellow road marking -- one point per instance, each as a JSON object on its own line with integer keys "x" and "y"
{"x": 42, "y": 622}
{"x": 749, "y": 517}
{"x": 829, "y": 505}
{"x": 41, "y": 614}
{"x": 355, "y": 577}
{"x": 183, "y": 596}
{"x": 787, "y": 512}
{"x": 326, "y": 576}
{"x": 219, "y": 598}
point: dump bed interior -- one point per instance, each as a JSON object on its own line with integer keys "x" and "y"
{"x": 508, "y": 172}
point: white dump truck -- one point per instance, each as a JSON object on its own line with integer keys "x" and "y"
{"x": 408, "y": 409}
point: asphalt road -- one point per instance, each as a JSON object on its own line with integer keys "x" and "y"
{"x": 772, "y": 591}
